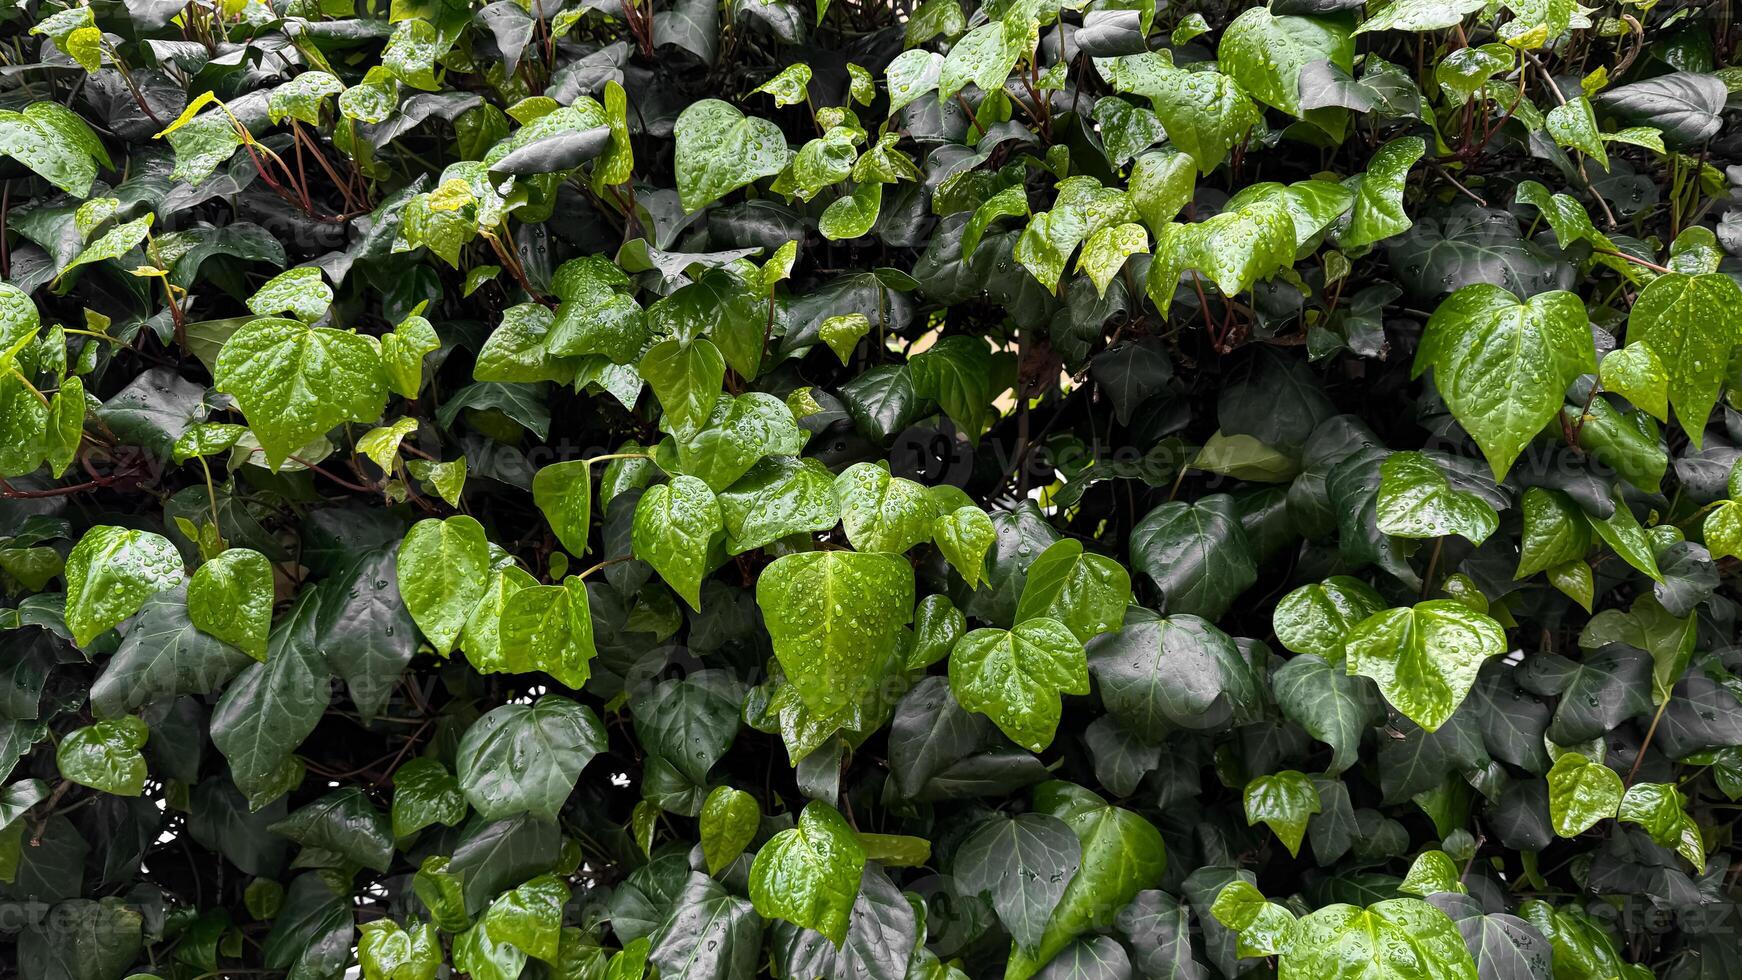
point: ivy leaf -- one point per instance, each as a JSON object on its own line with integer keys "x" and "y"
{"x": 1574, "y": 125}
{"x": 1417, "y": 501}
{"x": 269, "y": 708}
{"x": 301, "y": 292}
{"x": 1196, "y": 554}
{"x": 1205, "y": 113}
{"x": 1122, "y": 855}
{"x": 443, "y": 569}
{"x": 963, "y": 536}
{"x": 882, "y": 512}
{"x": 835, "y": 618}
{"x": 675, "y": 524}
{"x": 111, "y": 572}
{"x": 1283, "y": 801}
{"x": 1316, "y": 619}
{"x": 1015, "y": 677}
{"x": 1023, "y": 865}
{"x": 1378, "y": 211}
{"x": 564, "y": 493}
{"x": 1265, "y": 53}
{"x": 1400, "y": 937}
{"x": 1686, "y": 321}
{"x": 780, "y": 496}
{"x": 385, "y": 951}
{"x": 1662, "y": 810}
{"x": 345, "y": 823}
{"x": 1156, "y": 675}
{"x": 548, "y": 628}
{"x": 1555, "y": 532}
{"x": 729, "y": 821}
{"x": 686, "y": 378}
{"x": 719, "y": 150}
{"x": 1503, "y": 366}
{"x": 809, "y": 874}
{"x": 1330, "y": 704}
{"x": 1635, "y": 373}
{"x": 1581, "y": 793}
{"x": 525, "y": 758}
{"x": 105, "y": 756}
{"x": 1086, "y": 592}
{"x": 1425, "y": 658}
{"x": 230, "y": 597}
{"x": 294, "y": 382}
{"x": 424, "y": 794}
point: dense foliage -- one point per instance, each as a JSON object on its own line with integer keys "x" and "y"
{"x": 629, "y": 488}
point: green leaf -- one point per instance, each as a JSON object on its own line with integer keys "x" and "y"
{"x": 1687, "y": 322}
{"x": 443, "y": 570}
{"x": 54, "y": 143}
{"x": 1015, "y": 677}
{"x": 984, "y": 56}
{"x": 686, "y": 377}
{"x": 301, "y": 292}
{"x": 835, "y": 618}
{"x": 1317, "y": 618}
{"x": 411, "y": 54}
{"x": 1574, "y": 125}
{"x": 1503, "y": 366}
{"x": 425, "y": 793}
{"x": 115, "y": 243}
{"x": 111, "y": 572}
{"x": 1581, "y": 793}
{"x": 789, "y": 87}
{"x": 294, "y": 382}
{"x": 1635, "y": 373}
{"x": 548, "y": 628}
{"x": 675, "y": 524}
{"x": 1265, "y": 53}
{"x": 719, "y": 150}
{"x": 1122, "y": 855}
{"x": 1283, "y": 801}
{"x": 1205, "y": 113}
{"x": 963, "y": 536}
{"x": 1662, "y": 810}
{"x": 105, "y": 756}
{"x": 1425, "y": 658}
{"x": 1555, "y": 532}
{"x": 1419, "y": 15}
{"x": 1417, "y": 501}
{"x": 231, "y": 597}
{"x": 529, "y": 917}
{"x": 916, "y": 72}
{"x": 809, "y": 874}
{"x": 780, "y": 496}
{"x": 1023, "y": 865}
{"x": 882, "y": 512}
{"x": 729, "y": 821}
{"x": 525, "y": 758}
{"x": 387, "y": 952}
{"x": 1330, "y": 704}
{"x": 269, "y": 708}
{"x": 1195, "y": 553}
{"x": 345, "y": 823}
{"x": 564, "y": 492}
{"x": 1234, "y": 249}
{"x": 1399, "y": 937}
{"x": 1378, "y": 209}
{"x": 1085, "y": 592}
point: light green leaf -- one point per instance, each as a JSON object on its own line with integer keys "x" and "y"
{"x": 1503, "y": 366}
{"x": 1574, "y": 125}
{"x": 1581, "y": 793}
{"x": 1635, "y": 373}
{"x": 294, "y": 382}
{"x": 1084, "y": 591}
{"x": 1425, "y": 658}
{"x": 443, "y": 569}
{"x": 809, "y": 874}
{"x": 1417, "y": 501}
{"x": 719, "y": 150}
{"x": 230, "y": 597}
{"x": 564, "y": 493}
{"x": 1015, "y": 677}
{"x": 1283, "y": 801}
{"x": 1689, "y": 322}
{"x": 835, "y": 618}
{"x": 105, "y": 756}
{"x": 111, "y": 572}
{"x": 1378, "y": 209}
{"x": 1317, "y": 618}
{"x": 730, "y": 818}
{"x": 964, "y": 535}
{"x": 882, "y": 512}
{"x": 674, "y": 527}
{"x": 301, "y": 292}
{"x": 387, "y": 952}
{"x": 1265, "y": 53}
{"x": 1399, "y": 937}
{"x": 425, "y": 793}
